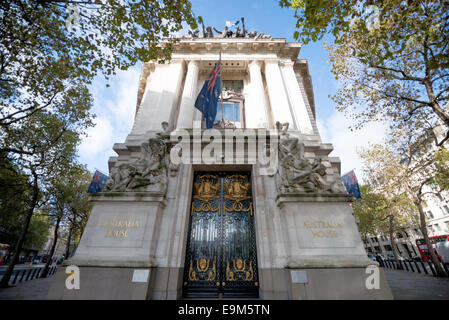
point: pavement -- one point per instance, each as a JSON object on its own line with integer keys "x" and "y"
{"x": 35, "y": 289}
{"x": 404, "y": 285}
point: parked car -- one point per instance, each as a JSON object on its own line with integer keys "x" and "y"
{"x": 371, "y": 256}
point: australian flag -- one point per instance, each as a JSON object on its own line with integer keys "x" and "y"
{"x": 351, "y": 184}
{"x": 207, "y": 99}
{"x": 98, "y": 182}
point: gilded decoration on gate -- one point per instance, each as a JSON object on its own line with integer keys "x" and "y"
{"x": 192, "y": 273}
{"x": 240, "y": 265}
{"x": 237, "y": 189}
{"x": 206, "y": 191}
{"x": 240, "y": 270}
{"x": 212, "y": 273}
{"x": 202, "y": 265}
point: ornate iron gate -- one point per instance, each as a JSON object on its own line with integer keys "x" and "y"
{"x": 221, "y": 246}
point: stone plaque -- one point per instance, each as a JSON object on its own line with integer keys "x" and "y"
{"x": 299, "y": 276}
{"x": 141, "y": 275}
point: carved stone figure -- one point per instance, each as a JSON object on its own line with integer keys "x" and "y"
{"x": 238, "y": 33}
{"x": 148, "y": 173}
{"x": 222, "y": 33}
{"x": 252, "y": 34}
{"x": 244, "y": 31}
{"x": 208, "y": 33}
{"x": 195, "y": 33}
{"x": 297, "y": 174}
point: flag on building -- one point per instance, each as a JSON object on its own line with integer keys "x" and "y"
{"x": 98, "y": 182}
{"x": 351, "y": 184}
{"x": 207, "y": 99}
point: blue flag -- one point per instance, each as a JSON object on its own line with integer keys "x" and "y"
{"x": 207, "y": 99}
{"x": 351, "y": 184}
{"x": 98, "y": 182}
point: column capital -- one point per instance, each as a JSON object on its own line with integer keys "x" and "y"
{"x": 287, "y": 63}
{"x": 272, "y": 61}
{"x": 193, "y": 62}
{"x": 255, "y": 63}
{"x": 177, "y": 61}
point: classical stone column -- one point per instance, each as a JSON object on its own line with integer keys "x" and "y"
{"x": 296, "y": 98}
{"x": 256, "y": 108}
{"x": 161, "y": 97}
{"x": 278, "y": 98}
{"x": 185, "y": 117}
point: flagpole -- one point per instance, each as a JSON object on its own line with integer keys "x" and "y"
{"x": 221, "y": 93}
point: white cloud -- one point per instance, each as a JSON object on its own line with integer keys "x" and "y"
{"x": 335, "y": 130}
{"x": 114, "y": 107}
{"x": 97, "y": 144}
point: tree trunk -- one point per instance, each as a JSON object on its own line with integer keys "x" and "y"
{"x": 53, "y": 247}
{"x": 393, "y": 246}
{"x": 18, "y": 248}
{"x": 67, "y": 248}
{"x": 433, "y": 257}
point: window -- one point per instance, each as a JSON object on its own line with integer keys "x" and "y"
{"x": 447, "y": 225}
{"x": 429, "y": 214}
{"x": 437, "y": 227}
{"x": 445, "y": 210}
{"x": 233, "y": 85}
{"x": 230, "y": 112}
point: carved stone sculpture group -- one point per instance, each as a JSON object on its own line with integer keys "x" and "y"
{"x": 296, "y": 174}
{"x": 208, "y": 32}
{"x": 149, "y": 172}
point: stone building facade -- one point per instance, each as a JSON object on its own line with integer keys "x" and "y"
{"x": 223, "y": 227}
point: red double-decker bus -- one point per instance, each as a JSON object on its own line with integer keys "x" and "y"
{"x": 422, "y": 247}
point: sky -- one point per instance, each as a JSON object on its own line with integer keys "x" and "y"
{"x": 114, "y": 106}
